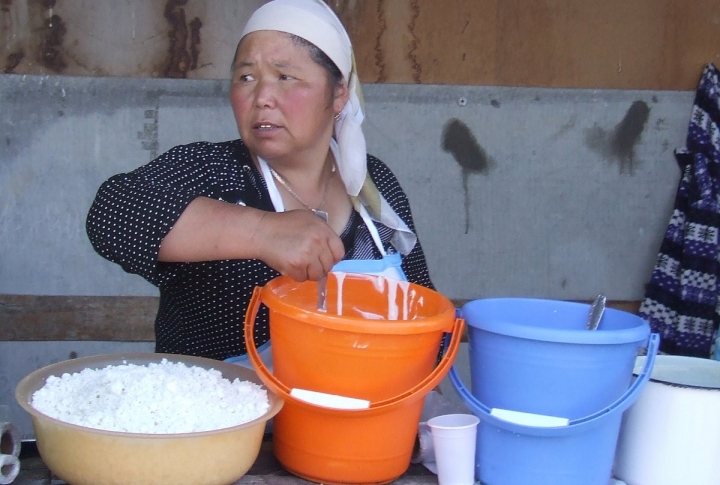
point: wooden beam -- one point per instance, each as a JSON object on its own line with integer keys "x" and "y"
{"x": 84, "y": 318}
{"x": 104, "y": 318}
{"x": 597, "y": 44}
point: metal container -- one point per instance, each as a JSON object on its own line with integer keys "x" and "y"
{"x": 86, "y": 456}
{"x": 671, "y": 435}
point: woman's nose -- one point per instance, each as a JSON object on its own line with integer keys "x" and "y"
{"x": 264, "y": 94}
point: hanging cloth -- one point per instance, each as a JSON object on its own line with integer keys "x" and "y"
{"x": 681, "y": 299}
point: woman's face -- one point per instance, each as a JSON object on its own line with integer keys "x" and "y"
{"x": 282, "y": 100}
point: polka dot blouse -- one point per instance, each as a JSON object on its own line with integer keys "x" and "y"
{"x": 203, "y": 304}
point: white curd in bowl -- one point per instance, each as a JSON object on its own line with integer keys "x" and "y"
{"x": 157, "y": 398}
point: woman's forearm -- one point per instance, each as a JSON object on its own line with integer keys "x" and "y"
{"x": 295, "y": 243}
{"x": 209, "y": 229}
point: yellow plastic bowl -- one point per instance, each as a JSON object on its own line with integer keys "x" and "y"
{"x": 87, "y": 456}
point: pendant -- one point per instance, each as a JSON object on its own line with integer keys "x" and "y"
{"x": 321, "y": 214}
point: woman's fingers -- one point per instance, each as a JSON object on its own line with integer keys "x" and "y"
{"x": 315, "y": 272}
{"x": 327, "y": 260}
{"x": 327, "y": 256}
{"x": 302, "y": 246}
{"x": 337, "y": 248}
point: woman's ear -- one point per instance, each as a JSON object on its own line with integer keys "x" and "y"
{"x": 341, "y": 96}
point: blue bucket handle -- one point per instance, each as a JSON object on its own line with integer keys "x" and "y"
{"x": 575, "y": 425}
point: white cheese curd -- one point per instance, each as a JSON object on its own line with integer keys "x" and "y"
{"x": 158, "y": 398}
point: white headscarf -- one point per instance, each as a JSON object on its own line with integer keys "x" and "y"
{"x": 314, "y": 21}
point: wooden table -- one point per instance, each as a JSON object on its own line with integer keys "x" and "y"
{"x": 265, "y": 471}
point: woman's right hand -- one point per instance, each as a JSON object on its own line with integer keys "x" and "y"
{"x": 298, "y": 244}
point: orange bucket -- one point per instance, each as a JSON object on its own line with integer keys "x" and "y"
{"x": 378, "y": 341}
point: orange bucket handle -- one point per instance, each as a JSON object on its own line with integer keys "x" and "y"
{"x": 432, "y": 380}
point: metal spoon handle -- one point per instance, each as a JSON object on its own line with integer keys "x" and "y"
{"x": 596, "y": 312}
{"x": 322, "y": 294}
{"x": 322, "y": 283}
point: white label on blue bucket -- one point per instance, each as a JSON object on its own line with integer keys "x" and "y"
{"x": 329, "y": 400}
{"x": 529, "y": 419}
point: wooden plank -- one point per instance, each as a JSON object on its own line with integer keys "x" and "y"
{"x": 626, "y": 306}
{"x": 83, "y": 318}
{"x": 601, "y": 44}
{"x": 104, "y": 318}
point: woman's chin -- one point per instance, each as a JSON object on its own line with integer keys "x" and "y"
{"x": 266, "y": 151}
{"x": 270, "y": 155}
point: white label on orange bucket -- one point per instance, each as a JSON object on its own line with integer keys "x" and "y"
{"x": 529, "y": 419}
{"x": 329, "y": 400}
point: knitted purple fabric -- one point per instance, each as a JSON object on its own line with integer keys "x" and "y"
{"x": 681, "y": 299}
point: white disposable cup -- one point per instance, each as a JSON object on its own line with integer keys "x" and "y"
{"x": 454, "y": 438}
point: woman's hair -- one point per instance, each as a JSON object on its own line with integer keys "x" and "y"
{"x": 320, "y": 58}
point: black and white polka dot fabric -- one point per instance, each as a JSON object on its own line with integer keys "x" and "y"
{"x": 203, "y": 305}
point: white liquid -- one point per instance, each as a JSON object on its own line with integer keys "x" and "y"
{"x": 405, "y": 289}
{"x": 340, "y": 277}
{"x": 394, "y": 311}
{"x": 370, "y": 315}
{"x": 392, "y": 301}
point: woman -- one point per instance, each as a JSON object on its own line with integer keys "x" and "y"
{"x": 208, "y": 222}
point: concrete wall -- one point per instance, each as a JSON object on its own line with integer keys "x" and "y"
{"x": 516, "y": 192}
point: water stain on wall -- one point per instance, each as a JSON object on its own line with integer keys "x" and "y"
{"x": 184, "y": 40}
{"x": 51, "y": 38}
{"x": 379, "y": 57}
{"x": 12, "y": 61}
{"x": 51, "y": 43}
{"x": 389, "y": 36}
{"x": 627, "y": 134}
{"x": 195, "y": 26}
{"x": 619, "y": 143}
{"x": 34, "y": 34}
{"x": 370, "y": 20}
{"x": 348, "y": 10}
{"x": 565, "y": 128}
{"x": 149, "y": 135}
{"x": 459, "y": 141}
{"x": 414, "y": 60}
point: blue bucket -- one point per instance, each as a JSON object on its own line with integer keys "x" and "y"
{"x": 536, "y": 357}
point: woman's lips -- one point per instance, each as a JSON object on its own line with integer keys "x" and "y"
{"x": 265, "y": 126}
